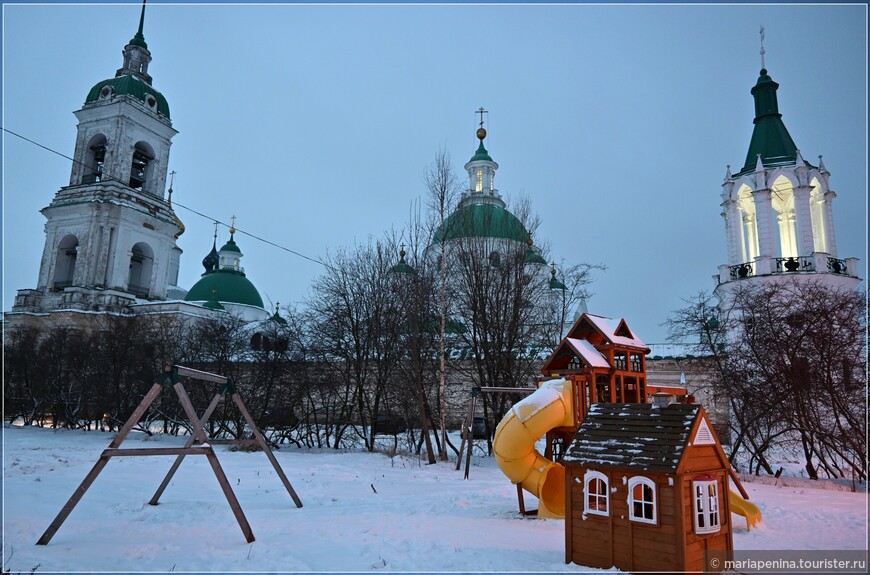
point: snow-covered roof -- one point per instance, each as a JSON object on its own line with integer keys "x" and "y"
{"x": 587, "y": 352}
{"x": 609, "y": 327}
{"x": 634, "y": 435}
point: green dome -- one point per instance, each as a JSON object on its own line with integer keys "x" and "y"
{"x": 231, "y": 246}
{"x": 480, "y": 154}
{"x": 228, "y": 286}
{"x": 130, "y": 85}
{"x": 533, "y": 257}
{"x": 482, "y": 221}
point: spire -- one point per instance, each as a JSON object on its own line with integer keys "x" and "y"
{"x": 770, "y": 138}
{"x": 139, "y": 39}
{"x": 136, "y": 54}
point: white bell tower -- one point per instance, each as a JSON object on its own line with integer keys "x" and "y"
{"x": 778, "y": 212}
{"x": 110, "y": 234}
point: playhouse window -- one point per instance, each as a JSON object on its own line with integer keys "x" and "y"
{"x": 597, "y": 495}
{"x": 642, "y": 500}
{"x": 706, "y": 505}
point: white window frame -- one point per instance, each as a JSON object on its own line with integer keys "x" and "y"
{"x": 640, "y": 480}
{"x": 706, "y": 505}
{"x": 588, "y": 477}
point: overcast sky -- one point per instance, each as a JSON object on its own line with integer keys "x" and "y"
{"x": 314, "y": 125}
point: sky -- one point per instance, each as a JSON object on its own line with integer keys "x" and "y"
{"x": 314, "y": 125}
{"x": 361, "y": 512}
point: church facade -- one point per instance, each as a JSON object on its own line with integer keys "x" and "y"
{"x": 111, "y": 233}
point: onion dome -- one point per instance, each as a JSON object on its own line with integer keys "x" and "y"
{"x": 554, "y": 283}
{"x": 402, "y": 267}
{"x": 211, "y": 261}
{"x": 532, "y": 255}
{"x": 276, "y": 317}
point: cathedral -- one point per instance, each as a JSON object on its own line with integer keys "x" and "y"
{"x": 111, "y": 234}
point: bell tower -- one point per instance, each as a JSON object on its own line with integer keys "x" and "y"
{"x": 110, "y": 235}
{"x": 777, "y": 209}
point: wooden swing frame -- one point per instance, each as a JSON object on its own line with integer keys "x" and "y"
{"x": 171, "y": 376}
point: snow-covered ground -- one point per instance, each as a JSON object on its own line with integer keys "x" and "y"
{"x": 362, "y": 512}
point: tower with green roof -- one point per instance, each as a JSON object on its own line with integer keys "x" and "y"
{"x": 779, "y": 220}
{"x": 225, "y": 284}
{"x": 111, "y": 233}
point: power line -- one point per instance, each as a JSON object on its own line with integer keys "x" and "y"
{"x": 192, "y": 210}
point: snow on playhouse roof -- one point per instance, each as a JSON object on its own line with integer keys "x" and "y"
{"x": 610, "y": 327}
{"x": 634, "y": 436}
{"x": 587, "y": 352}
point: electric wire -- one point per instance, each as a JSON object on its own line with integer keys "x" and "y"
{"x": 106, "y": 177}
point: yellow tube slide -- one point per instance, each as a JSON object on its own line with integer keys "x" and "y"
{"x": 514, "y": 444}
{"x": 745, "y": 508}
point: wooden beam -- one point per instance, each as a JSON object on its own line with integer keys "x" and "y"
{"x": 73, "y": 501}
{"x": 197, "y": 374}
{"x": 115, "y": 452}
{"x": 508, "y": 389}
{"x": 266, "y": 449}
{"x": 190, "y": 440}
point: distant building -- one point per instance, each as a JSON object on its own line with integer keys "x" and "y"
{"x": 111, "y": 234}
{"x": 778, "y": 212}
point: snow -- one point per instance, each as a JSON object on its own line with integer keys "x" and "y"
{"x": 362, "y": 512}
{"x": 588, "y": 352}
{"x": 608, "y": 327}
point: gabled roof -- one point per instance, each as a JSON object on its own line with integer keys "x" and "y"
{"x": 616, "y": 332}
{"x": 634, "y": 436}
{"x": 587, "y": 352}
{"x": 581, "y": 348}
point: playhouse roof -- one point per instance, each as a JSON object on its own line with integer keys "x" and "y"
{"x": 634, "y": 436}
{"x": 587, "y": 352}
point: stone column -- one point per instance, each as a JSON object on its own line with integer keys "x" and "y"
{"x": 734, "y": 232}
{"x": 764, "y": 219}
{"x": 828, "y": 215}
{"x": 803, "y": 214}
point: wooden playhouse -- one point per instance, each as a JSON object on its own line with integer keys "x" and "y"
{"x": 646, "y": 489}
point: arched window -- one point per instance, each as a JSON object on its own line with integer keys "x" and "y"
{"x": 705, "y": 497}
{"x": 782, "y": 201}
{"x": 65, "y": 264}
{"x": 478, "y": 180}
{"x": 596, "y": 493}
{"x": 141, "y": 168}
{"x": 642, "y": 500}
{"x": 141, "y": 262}
{"x": 95, "y": 156}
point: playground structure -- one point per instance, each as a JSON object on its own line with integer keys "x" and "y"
{"x": 600, "y": 361}
{"x": 171, "y": 377}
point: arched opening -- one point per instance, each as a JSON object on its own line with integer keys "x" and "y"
{"x": 141, "y": 263}
{"x": 65, "y": 265}
{"x": 782, "y": 201}
{"x": 95, "y": 156}
{"x": 749, "y": 225}
{"x": 817, "y": 214}
{"x": 142, "y": 167}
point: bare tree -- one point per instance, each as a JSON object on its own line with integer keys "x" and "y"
{"x": 443, "y": 188}
{"x": 791, "y": 357}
